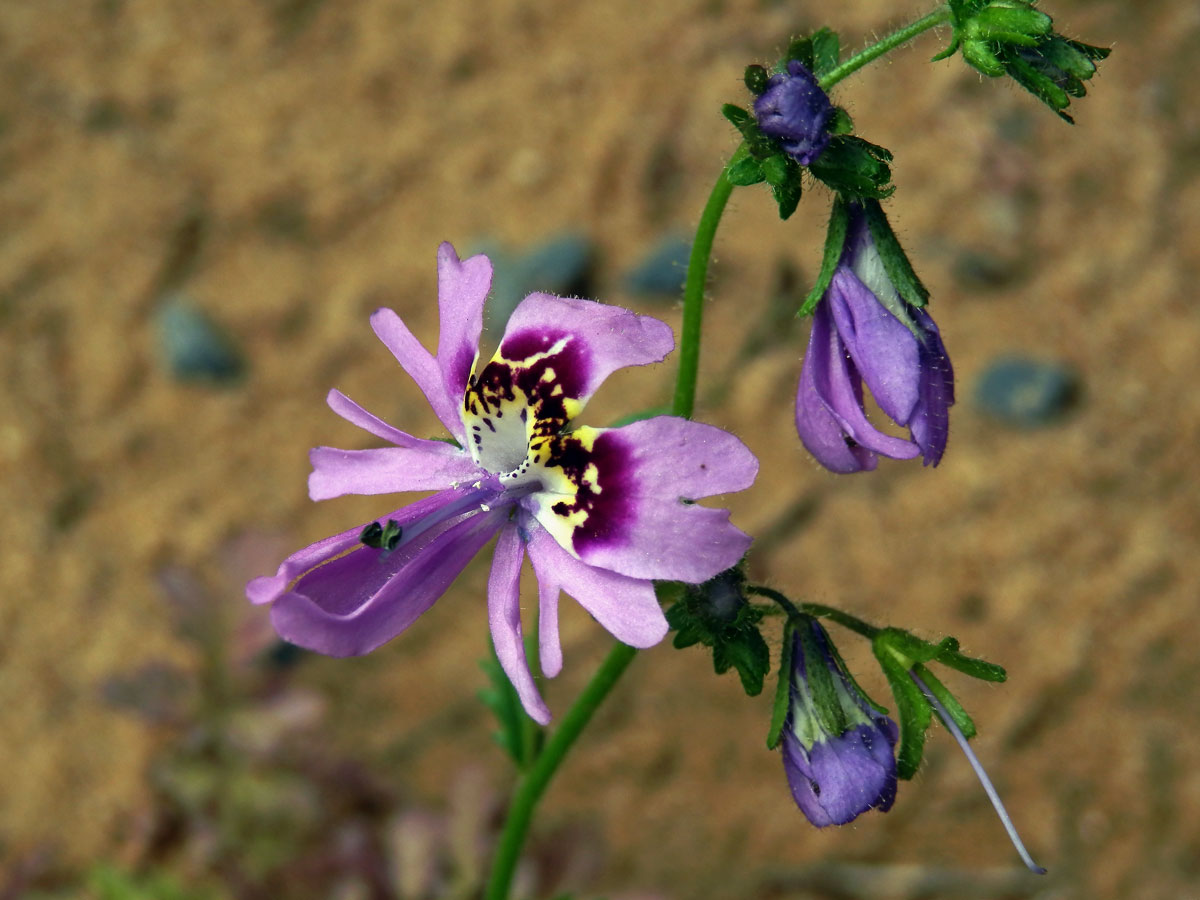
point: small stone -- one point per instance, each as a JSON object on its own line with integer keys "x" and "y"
{"x": 1027, "y": 393}
{"x": 193, "y": 347}
{"x": 662, "y": 270}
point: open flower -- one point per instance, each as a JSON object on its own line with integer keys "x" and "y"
{"x": 837, "y": 748}
{"x": 863, "y": 330}
{"x": 601, "y": 512}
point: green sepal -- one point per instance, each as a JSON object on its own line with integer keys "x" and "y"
{"x": 949, "y": 656}
{"x": 755, "y": 78}
{"x": 948, "y": 52}
{"x": 785, "y": 176}
{"x": 501, "y": 698}
{"x": 783, "y": 689}
{"x": 1008, "y": 24}
{"x": 759, "y": 145}
{"x": 1040, "y": 85}
{"x": 854, "y": 167}
{"x": 835, "y": 240}
{"x": 801, "y": 50}
{"x": 746, "y": 171}
{"x": 981, "y": 57}
{"x": 738, "y": 116}
{"x": 733, "y": 635}
{"x": 826, "y": 51}
{"x": 912, "y": 708}
{"x": 826, "y": 703}
{"x": 964, "y": 722}
{"x": 895, "y": 260}
{"x": 841, "y": 123}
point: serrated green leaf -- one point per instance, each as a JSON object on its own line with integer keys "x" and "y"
{"x": 913, "y": 711}
{"x": 964, "y": 722}
{"x": 783, "y": 693}
{"x": 826, "y": 51}
{"x": 745, "y": 172}
{"x": 835, "y": 242}
{"x": 895, "y": 260}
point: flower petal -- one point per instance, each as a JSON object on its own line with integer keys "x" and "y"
{"x": 462, "y": 289}
{"x": 843, "y": 777}
{"x": 626, "y": 607}
{"x": 372, "y": 424}
{"x": 931, "y": 419}
{"x": 388, "y": 470}
{"x": 582, "y": 341}
{"x": 884, "y": 351}
{"x": 829, "y": 414}
{"x": 620, "y": 498}
{"x": 504, "y": 615}
{"x": 350, "y": 598}
{"x": 421, "y": 367}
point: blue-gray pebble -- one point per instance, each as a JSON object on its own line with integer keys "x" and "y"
{"x": 1025, "y": 392}
{"x": 193, "y": 347}
{"x": 662, "y": 270}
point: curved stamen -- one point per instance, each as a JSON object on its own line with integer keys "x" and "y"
{"x": 988, "y": 787}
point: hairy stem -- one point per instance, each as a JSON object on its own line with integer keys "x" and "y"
{"x": 885, "y": 45}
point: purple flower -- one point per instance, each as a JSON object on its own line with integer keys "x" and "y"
{"x": 836, "y": 771}
{"x": 858, "y": 335}
{"x": 601, "y": 512}
{"x": 794, "y": 110}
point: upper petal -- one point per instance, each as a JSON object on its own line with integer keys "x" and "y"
{"x": 885, "y": 352}
{"x": 462, "y": 290}
{"x": 504, "y": 616}
{"x": 580, "y": 342}
{"x": 388, "y": 470}
{"x": 421, "y": 367}
{"x": 620, "y": 498}
{"x": 627, "y": 607}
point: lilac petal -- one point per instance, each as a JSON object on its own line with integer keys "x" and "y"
{"x": 388, "y": 470}
{"x": 549, "y": 646}
{"x": 421, "y": 367}
{"x": 884, "y": 351}
{"x": 931, "y": 419}
{"x": 829, "y": 413}
{"x": 595, "y": 339}
{"x": 353, "y": 603}
{"x": 372, "y": 424}
{"x": 626, "y": 607}
{"x": 462, "y": 289}
{"x": 842, "y": 777}
{"x": 504, "y": 615}
{"x": 636, "y": 522}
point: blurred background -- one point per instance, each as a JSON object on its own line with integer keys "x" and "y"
{"x": 202, "y": 204}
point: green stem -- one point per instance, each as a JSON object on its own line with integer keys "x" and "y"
{"x": 886, "y": 45}
{"x": 819, "y": 610}
{"x": 533, "y": 783}
{"x": 693, "y": 290}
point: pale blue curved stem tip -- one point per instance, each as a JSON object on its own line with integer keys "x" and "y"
{"x": 988, "y": 787}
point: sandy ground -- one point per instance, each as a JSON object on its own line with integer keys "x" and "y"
{"x": 290, "y": 165}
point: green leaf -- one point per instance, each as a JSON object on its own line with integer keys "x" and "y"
{"x": 895, "y": 260}
{"x": 736, "y": 115}
{"x": 912, "y": 709}
{"x": 948, "y": 700}
{"x": 835, "y": 240}
{"x": 787, "y": 196}
{"x": 825, "y": 51}
{"x": 783, "y": 690}
{"x": 745, "y": 171}
{"x": 748, "y": 653}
